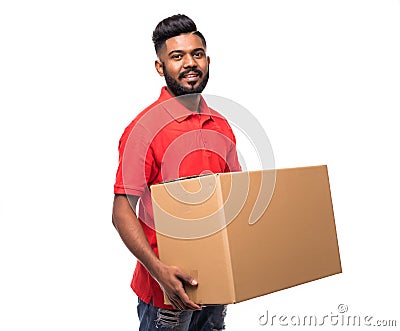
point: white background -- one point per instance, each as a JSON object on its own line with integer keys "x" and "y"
{"x": 322, "y": 77}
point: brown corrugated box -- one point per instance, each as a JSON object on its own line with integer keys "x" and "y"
{"x": 210, "y": 227}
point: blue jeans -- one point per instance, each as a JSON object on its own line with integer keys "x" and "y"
{"x": 151, "y": 318}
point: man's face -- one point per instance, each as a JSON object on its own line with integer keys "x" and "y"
{"x": 184, "y": 64}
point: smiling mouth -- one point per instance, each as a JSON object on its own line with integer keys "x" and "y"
{"x": 191, "y": 78}
{"x": 190, "y": 75}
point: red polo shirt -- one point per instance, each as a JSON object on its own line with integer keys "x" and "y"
{"x": 168, "y": 141}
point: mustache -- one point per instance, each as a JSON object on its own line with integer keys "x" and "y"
{"x": 197, "y": 71}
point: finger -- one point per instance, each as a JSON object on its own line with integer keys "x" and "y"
{"x": 176, "y": 303}
{"x": 182, "y": 295}
{"x": 178, "y": 306}
{"x": 176, "y": 298}
{"x": 186, "y": 278}
{"x": 189, "y": 304}
{"x": 192, "y": 306}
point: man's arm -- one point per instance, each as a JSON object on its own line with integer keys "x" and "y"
{"x": 170, "y": 278}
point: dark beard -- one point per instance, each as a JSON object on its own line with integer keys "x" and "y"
{"x": 178, "y": 89}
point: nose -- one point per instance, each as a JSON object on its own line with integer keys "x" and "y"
{"x": 189, "y": 61}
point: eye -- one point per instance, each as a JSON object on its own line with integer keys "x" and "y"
{"x": 198, "y": 54}
{"x": 176, "y": 56}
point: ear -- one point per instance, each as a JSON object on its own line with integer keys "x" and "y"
{"x": 208, "y": 59}
{"x": 159, "y": 67}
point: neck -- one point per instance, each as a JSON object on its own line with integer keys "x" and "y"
{"x": 190, "y": 101}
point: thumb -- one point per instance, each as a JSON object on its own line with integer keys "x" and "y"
{"x": 187, "y": 278}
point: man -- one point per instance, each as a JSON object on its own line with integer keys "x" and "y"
{"x": 181, "y": 121}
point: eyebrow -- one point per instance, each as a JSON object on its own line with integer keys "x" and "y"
{"x": 194, "y": 50}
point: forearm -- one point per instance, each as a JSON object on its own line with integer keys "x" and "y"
{"x": 132, "y": 234}
{"x": 170, "y": 278}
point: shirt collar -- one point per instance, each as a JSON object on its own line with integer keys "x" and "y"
{"x": 177, "y": 110}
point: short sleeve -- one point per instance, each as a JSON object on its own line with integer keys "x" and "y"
{"x": 135, "y": 163}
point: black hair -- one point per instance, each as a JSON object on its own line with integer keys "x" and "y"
{"x": 174, "y": 26}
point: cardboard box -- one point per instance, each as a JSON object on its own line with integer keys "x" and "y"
{"x": 210, "y": 227}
